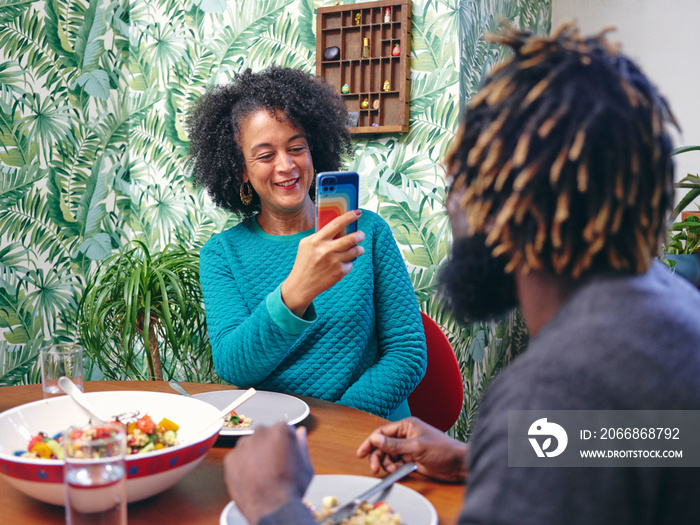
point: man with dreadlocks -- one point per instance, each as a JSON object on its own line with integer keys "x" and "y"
{"x": 562, "y": 183}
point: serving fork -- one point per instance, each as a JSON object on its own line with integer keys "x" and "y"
{"x": 349, "y": 508}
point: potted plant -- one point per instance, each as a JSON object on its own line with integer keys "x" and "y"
{"x": 681, "y": 252}
{"x": 141, "y": 316}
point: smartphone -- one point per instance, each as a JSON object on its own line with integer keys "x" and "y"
{"x": 336, "y": 193}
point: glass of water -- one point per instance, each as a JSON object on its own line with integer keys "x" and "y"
{"x": 95, "y": 475}
{"x": 63, "y": 359}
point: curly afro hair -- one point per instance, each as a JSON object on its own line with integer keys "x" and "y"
{"x": 215, "y": 120}
{"x": 565, "y": 158}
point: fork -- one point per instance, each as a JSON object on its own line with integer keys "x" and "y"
{"x": 348, "y": 509}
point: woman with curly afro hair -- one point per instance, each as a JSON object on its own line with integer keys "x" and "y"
{"x": 290, "y": 309}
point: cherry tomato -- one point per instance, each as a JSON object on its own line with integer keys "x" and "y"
{"x": 146, "y": 425}
{"x": 39, "y": 438}
{"x": 103, "y": 432}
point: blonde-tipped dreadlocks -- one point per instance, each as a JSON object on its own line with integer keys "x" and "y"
{"x": 564, "y": 157}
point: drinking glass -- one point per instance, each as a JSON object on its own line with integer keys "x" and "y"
{"x": 63, "y": 359}
{"x": 95, "y": 475}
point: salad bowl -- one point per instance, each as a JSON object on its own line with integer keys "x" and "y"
{"x": 148, "y": 473}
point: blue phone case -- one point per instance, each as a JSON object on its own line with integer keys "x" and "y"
{"x": 336, "y": 193}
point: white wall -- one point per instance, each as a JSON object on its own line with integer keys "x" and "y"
{"x": 663, "y": 38}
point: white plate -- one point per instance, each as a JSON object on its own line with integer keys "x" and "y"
{"x": 413, "y": 508}
{"x": 264, "y": 408}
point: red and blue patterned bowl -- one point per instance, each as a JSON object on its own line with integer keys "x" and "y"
{"x": 147, "y": 474}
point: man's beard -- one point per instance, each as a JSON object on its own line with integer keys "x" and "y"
{"x": 474, "y": 283}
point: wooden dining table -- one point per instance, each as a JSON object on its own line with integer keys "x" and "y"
{"x": 334, "y": 433}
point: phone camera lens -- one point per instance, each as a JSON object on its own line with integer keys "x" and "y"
{"x": 325, "y": 188}
{"x": 332, "y": 188}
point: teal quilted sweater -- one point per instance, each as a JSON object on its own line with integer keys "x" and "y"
{"x": 361, "y": 342}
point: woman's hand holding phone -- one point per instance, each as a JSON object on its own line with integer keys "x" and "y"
{"x": 321, "y": 262}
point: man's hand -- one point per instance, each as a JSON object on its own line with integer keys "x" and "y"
{"x": 437, "y": 455}
{"x": 266, "y": 470}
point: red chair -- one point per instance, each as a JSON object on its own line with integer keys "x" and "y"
{"x": 438, "y": 398}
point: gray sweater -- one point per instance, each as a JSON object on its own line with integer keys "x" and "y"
{"x": 618, "y": 343}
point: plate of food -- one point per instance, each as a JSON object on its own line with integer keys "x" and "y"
{"x": 396, "y": 505}
{"x": 264, "y": 408}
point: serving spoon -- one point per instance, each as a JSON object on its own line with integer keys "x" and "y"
{"x": 79, "y": 397}
{"x": 178, "y": 388}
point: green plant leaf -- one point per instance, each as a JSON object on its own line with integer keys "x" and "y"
{"x": 47, "y": 121}
{"x": 246, "y": 25}
{"x": 163, "y": 45}
{"x": 51, "y": 292}
{"x": 91, "y": 208}
{"x": 14, "y": 184}
{"x": 174, "y": 128}
{"x": 211, "y": 6}
{"x": 10, "y": 78}
{"x": 430, "y": 42}
{"x": 57, "y": 205}
{"x": 95, "y": 83}
{"x": 19, "y": 362}
{"x": 11, "y": 258}
{"x": 28, "y": 222}
{"x": 18, "y": 150}
{"x": 432, "y": 131}
{"x": 58, "y": 30}
{"x": 14, "y": 316}
{"x": 281, "y": 44}
{"x": 476, "y": 347}
{"x": 25, "y": 40}
{"x": 305, "y": 24}
{"x": 685, "y": 149}
{"x": 427, "y": 89}
{"x": 12, "y": 9}
{"x": 97, "y": 247}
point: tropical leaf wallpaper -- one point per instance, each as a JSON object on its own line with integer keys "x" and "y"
{"x": 93, "y": 148}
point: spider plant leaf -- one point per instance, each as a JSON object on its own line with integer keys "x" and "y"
{"x": 160, "y": 291}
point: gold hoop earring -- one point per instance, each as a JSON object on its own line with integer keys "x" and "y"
{"x": 246, "y": 193}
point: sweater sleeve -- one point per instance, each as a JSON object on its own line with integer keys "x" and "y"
{"x": 402, "y": 352}
{"x": 291, "y": 513}
{"x": 237, "y": 334}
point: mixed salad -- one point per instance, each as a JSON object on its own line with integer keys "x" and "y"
{"x": 235, "y": 420}
{"x": 142, "y": 435}
{"x": 366, "y": 513}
